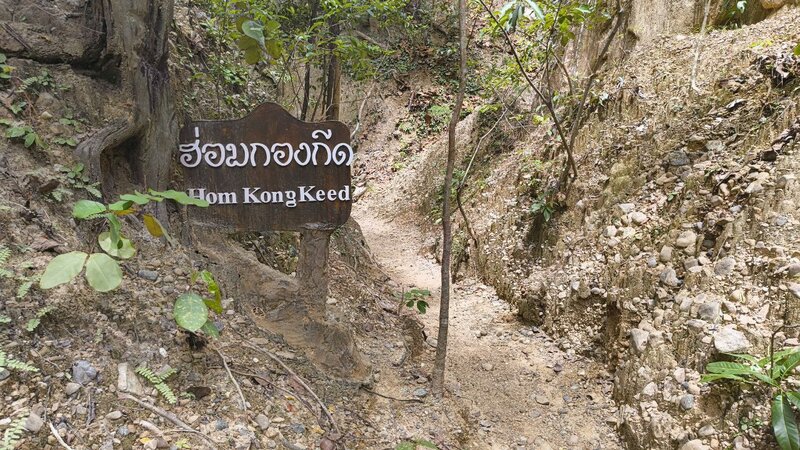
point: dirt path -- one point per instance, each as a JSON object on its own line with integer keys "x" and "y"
{"x": 514, "y": 381}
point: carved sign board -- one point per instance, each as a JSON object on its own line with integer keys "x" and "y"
{"x": 267, "y": 171}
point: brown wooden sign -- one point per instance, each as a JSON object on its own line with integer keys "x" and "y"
{"x": 267, "y": 171}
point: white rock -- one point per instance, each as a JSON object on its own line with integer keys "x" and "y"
{"x": 730, "y": 340}
{"x": 686, "y": 239}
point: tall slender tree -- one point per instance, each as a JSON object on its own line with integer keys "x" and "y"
{"x": 447, "y": 233}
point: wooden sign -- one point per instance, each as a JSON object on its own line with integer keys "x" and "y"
{"x": 267, "y": 171}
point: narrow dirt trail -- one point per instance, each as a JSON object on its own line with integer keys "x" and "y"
{"x": 517, "y": 385}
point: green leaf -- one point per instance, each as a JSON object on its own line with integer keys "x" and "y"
{"x": 796, "y": 50}
{"x": 87, "y": 208}
{"x": 427, "y": 444}
{"x": 137, "y": 198}
{"x": 406, "y": 446}
{"x": 15, "y": 132}
{"x": 422, "y": 306}
{"x": 114, "y": 228}
{"x": 727, "y": 367}
{"x": 711, "y": 377}
{"x": 103, "y": 272}
{"x": 209, "y": 329}
{"x": 32, "y": 324}
{"x": 30, "y": 138}
{"x": 794, "y": 398}
{"x": 122, "y": 205}
{"x": 784, "y": 425}
{"x": 181, "y": 197}
{"x": 62, "y": 269}
{"x": 126, "y": 251}
{"x": 190, "y": 312}
{"x": 153, "y": 226}
{"x": 254, "y": 30}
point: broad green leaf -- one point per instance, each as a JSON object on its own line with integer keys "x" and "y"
{"x": 103, "y": 272}
{"x": 181, "y": 197}
{"x": 210, "y": 329}
{"x": 711, "y": 377}
{"x": 427, "y": 444}
{"x": 87, "y": 208}
{"x": 537, "y": 11}
{"x": 153, "y": 226}
{"x": 727, "y": 367}
{"x": 121, "y": 205}
{"x": 797, "y": 50}
{"x": 784, "y": 425}
{"x": 406, "y": 446}
{"x": 777, "y": 356}
{"x": 422, "y": 306}
{"x": 137, "y": 198}
{"x": 15, "y": 132}
{"x": 743, "y": 356}
{"x": 274, "y": 48}
{"x": 127, "y": 250}
{"x": 190, "y": 312}
{"x": 32, "y": 324}
{"x": 254, "y": 30}
{"x": 794, "y": 398}
{"x": 252, "y": 55}
{"x": 30, "y": 138}
{"x": 115, "y": 230}
{"x": 62, "y": 269}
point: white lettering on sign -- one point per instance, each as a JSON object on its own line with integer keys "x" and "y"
{"x": 281, "y": 153}
{"x": 258, "y": 196}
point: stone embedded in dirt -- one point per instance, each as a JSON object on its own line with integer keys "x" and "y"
{"x": 487, "y": 367}
{"x": 639, "y": 217}
{"x": 669, "y": 278}
{"x": 695, "y": 444}
{"x": 680, "y": 375}
{"x": 542, "y": 399}
{"x": 114, "y": 415}
{"x": 72, "y": 388}
{"x": 754, "y": 188}
{"x": 706, "y": 431}
{"x": 263, "y": 421}
{"x": 420, "y": 392}
{"x": 686, "y": 239}
{"x": 127, "y": 380}
{"x": 650, "y": 389}
{"x": 220, "y": 424}
{"x": 715, "y": 145}
{"x": 738, "y": 296}
{"x": 794, "y": 288}
{"x": 83, "y": 372}
{"x": 610, "y": 231}
{"x": 150, "y": 275}
{"x": 4, "y": 374}
{"x": 678, "y": 158}
{"x": 34, "y": 423}
{"x": 639, "y": 339}
{"x": 687, "y": 402}
{"x": 724, "y": 266}
{"x": 626, "y": 208}
{"x": 123, "y": 431}
{"x": 709, "y": 311}
{"x": 665, "y": 255}
{"x": 730, "y": 340}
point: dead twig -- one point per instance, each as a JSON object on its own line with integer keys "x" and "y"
{"x": 169, "y": 416}
{"x": 300, "y": 382}
{"x": 360, "y": 111}
{"x": 697, "y": 48}
{"x": 243, "y": 401}
{"x": 58, "y": 436}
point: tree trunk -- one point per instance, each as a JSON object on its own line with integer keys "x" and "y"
{"x": 136, "y": 152}
{"x": 447, "y": 234}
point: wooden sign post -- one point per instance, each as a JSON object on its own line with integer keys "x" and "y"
{"x": 268, "y": 172}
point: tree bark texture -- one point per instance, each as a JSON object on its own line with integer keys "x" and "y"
{"x": 447, "y": 234}
{"x": 137, "y": 151}
{"x": 312, "y": 269}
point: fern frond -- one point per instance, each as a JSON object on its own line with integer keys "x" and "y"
{"x": 5, "y": 273}
{"x": 158, "y": 382}
{"x": 14, "y": 364}
{"x": 5, "y": 319}
{"x": 5, "y": 252}
{"x": 167, "y": 393}
{"x": 13, "y": 433}
{"x": 148, "y": 374}
{"x": 23, "y": 289}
